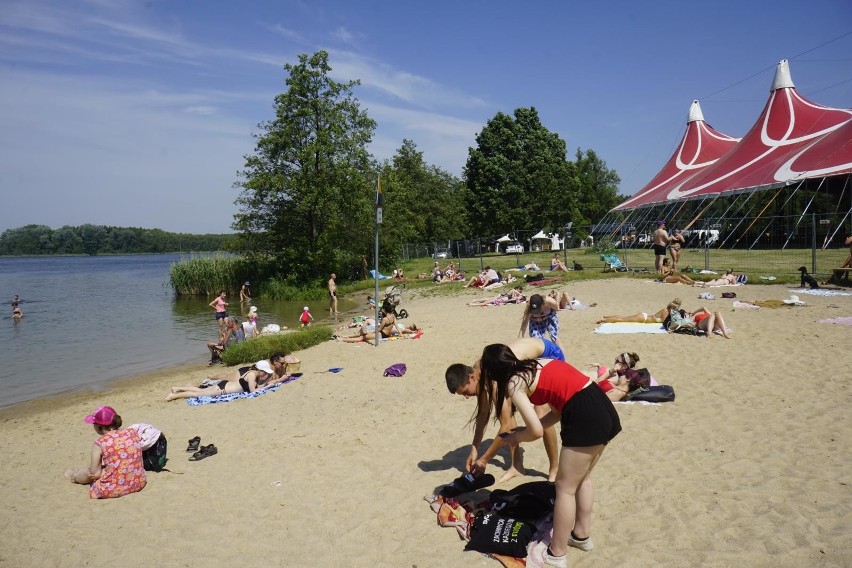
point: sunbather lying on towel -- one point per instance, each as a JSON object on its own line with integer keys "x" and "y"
{"x": 513, "y": 296}
{"x": 260, "y": 375}
{"x": 643, "y": 317}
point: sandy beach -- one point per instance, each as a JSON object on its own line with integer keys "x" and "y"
{"x": 750, "y": 466}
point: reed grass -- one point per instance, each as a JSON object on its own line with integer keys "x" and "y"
{"x": 264, "y": 346}
{"x": 208, "y": 275}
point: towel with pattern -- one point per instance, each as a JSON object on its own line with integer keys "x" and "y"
{"x": 201, "y": 400}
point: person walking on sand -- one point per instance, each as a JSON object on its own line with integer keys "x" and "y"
{"x": 332, "y": 294}
{"x": 661, "y": 241}
{"x": 306, "y": 318}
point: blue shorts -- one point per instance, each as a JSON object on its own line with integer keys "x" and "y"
{"x": 550, "y": 325}
{"x": 552, "y": 351}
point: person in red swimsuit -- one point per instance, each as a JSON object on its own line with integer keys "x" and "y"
{"x": 589, "y": 421}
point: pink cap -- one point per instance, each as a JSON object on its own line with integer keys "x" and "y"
{"x": 104, "y": 416}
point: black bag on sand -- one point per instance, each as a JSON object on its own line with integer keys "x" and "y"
{"x": 527, "y": 502}
{"x": 497, "y": 534}
{"x": 154, "y": 458}
{"x": 659, "y": 393}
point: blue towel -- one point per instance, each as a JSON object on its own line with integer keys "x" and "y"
{"x": 200, "y": 400}
{"x": 381, "y": 276}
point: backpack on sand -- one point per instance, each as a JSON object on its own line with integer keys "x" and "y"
{"x": 154, "y": 446}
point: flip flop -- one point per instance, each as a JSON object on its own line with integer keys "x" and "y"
{"x": 193, "y": 444}
{"x": 335, "y": 369}
{"x": 204, "y": 452}
{"x": 466, "y": 483}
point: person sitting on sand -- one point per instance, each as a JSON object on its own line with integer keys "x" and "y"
{"x": 708, "y": 322}
{"x": 542, "y": 317}
{"x": 387, "y": 328}
{"x": 436, "y": 273}
{"x": 260, "y": 375}
{"x": 669, "y": 276}
{"x": 233, "y": 333}
{"x": 116, "y": 466}
{"x": 464, "y": 380}
{"x": 477, "y": 281}
{"x": 557, "y": 264}
{"x": 643, "y": 317}
{"x": 729, "y": 279}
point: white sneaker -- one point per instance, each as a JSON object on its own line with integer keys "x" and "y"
{"x": 558, "y": 561}
{"x": 584, "y": 545}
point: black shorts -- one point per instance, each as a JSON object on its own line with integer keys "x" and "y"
{"x": 660, "y": 250}
{"x": 589, "y": 419}
{"x": 221, "y": 315}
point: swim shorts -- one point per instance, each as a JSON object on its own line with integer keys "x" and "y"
{"x": 660, "y": 250}
{"x": 221, "y": 315}
{"x": 589, "y": 419}
{"x": 552, "y": 351}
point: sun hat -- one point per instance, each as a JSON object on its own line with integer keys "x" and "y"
{"x": 263, "y": 365}
{"x": 103, "y": 415}
{"x": 248, "y": 283}
{"x": 536, "y": 301}
{"x": 306, "y": 308}
{"x": 252, "y": 309}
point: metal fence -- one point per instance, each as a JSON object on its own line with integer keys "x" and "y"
{"x": 762, "y": 246}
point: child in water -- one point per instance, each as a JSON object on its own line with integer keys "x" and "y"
{"x": 306, "y": 318}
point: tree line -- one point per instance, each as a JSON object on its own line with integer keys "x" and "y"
{"x": 307, "y": 193}
{"x": 100, "y": 239}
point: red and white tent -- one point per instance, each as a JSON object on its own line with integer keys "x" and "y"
{"x": 793, "y": 139}
{"x": 699, "y": 148}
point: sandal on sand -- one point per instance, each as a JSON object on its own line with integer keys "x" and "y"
{"x": 467, "y": 483}
{"x": 193, "y": 444}
{"x": 204, "y": 452}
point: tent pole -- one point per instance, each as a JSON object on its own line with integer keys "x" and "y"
{"x": 759, "y": 215}
{"x": 741, "y": 221}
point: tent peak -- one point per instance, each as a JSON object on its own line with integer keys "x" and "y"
{"x": 695, "y": 114}
{"x": 782, "y": 79}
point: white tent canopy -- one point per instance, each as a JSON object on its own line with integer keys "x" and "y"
{"x": 542, "y": 236}
{"x": 505, "y": 239}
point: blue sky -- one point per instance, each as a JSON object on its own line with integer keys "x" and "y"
{"x": 129, "y": 113}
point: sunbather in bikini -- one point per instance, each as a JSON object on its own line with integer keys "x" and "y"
{"x": 643, "y": 317}
{"x": 260, "y": 375}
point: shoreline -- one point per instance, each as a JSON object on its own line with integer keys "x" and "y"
{"x": 716, "y": 478}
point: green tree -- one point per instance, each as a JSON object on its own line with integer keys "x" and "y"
{"x": 307, "y": 191}
{"x": 518, "y": 177}
{"x": 596, "y": 187}
{"x": 422, "y": 203}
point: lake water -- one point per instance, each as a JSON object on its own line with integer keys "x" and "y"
{"x": 88, "y": 320}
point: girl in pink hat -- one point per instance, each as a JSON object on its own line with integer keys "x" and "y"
{"x": 116, "y": 465}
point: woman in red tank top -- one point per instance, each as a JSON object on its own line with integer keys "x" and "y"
{"x": 589, "y": 421}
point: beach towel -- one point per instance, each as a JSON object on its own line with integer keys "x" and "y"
{"x": 820, "y": 292}
{"x": 608, "y": 328}
{"x": 201, "y": 400}
{"x": 543, "y": 282}
{"x": 843, "y": 320}
{"x": 381, "y": 276}
{"x": 744, "y": 305}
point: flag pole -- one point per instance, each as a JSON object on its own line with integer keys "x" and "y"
{"x": 378, "y": 221}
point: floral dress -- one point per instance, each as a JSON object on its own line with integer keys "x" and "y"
{"x": 121, "y": 458}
